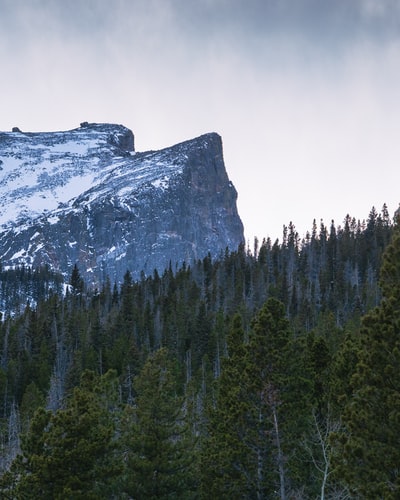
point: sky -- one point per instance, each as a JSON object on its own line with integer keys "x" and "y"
{"x": 305, "y": 93}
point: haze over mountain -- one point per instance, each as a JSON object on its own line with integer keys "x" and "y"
{"x": 303, "y": 92}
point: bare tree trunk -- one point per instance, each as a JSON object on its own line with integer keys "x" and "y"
{"x": 10, "y": 447}
{"x": 321, "y": 442}
{"x": 271, "y": 398}
{"x": 217, "y": 366}
{"x": 188, "y": 363}
{"x": 57, "y": 381}
{"x": 4, "y": 357}
{"x": 281, "y": 467}
{"x": 260, "y": 462}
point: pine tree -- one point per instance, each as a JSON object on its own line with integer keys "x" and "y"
{"x": 255, "y": 429}
{"x": 68, "y": 454}
{"x": 76, "y": 281}
{"x": 280, "y": 394}
{"x": 368, "y": 455}
{"x": 158, "y": 453}
{"x": 226, "y": 468}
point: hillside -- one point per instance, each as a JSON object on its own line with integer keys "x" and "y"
{"x": 172, "y": 372}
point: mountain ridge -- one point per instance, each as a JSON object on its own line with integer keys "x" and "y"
{"x": 86, "y": 196}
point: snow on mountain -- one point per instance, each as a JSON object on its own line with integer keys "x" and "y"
{"x": 85, "y": 196}
{"x": 40, "y": 171}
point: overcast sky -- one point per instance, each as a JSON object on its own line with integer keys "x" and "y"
{"x": 305, "y": 93}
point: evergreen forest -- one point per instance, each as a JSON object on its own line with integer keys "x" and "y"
{"x": 270, "y": 372}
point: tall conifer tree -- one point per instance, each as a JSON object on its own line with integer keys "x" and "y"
{"x": 280, "y": 391}
{"x": 226, "y": 470}
{"x": 158, "y": 453}
{"x": 369, "y": 449}
{"x": 68, "y": 454}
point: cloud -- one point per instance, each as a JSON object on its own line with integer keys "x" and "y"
{"x": 302, "y": 92}
{"x": 379, "y": 9}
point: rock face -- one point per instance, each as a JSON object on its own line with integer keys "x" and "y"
{"x": 85, "y": 196}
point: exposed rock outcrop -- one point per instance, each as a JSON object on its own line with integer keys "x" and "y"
{"x": 93, "y": 201}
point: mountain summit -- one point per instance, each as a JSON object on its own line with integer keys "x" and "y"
{"x": 85, "y": 196}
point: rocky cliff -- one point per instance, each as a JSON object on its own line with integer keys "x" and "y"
{"x": 85, "y": 196}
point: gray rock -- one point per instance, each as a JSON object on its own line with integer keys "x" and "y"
{"x": 140, "y": 211}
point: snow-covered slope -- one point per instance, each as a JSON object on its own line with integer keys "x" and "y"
{"x": 85, "y": 196}
{"x": 41, "y": 171}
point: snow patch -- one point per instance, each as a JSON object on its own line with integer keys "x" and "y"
{"x": 18, "y": 255}
{"x": 161, "y": 183}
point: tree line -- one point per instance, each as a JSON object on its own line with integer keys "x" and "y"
{"x": 265, "y": 373}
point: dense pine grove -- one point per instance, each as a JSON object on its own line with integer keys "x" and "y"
{"x": 270, "y": 372}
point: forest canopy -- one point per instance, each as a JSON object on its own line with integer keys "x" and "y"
{"x": 269, "y": 372}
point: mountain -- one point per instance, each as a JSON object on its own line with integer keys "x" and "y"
{"x": 86, "y": 197}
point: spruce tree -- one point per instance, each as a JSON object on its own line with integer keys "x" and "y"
{"x": 368, "y": 455}
{"x": 255, "y": 430}
{"x": 226, "y": 471}
{"x": 280, "y": 397}
{"x": 158, "y": 454}
{"x": 76, "y": 281}
{"x": 68, "y": 454}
